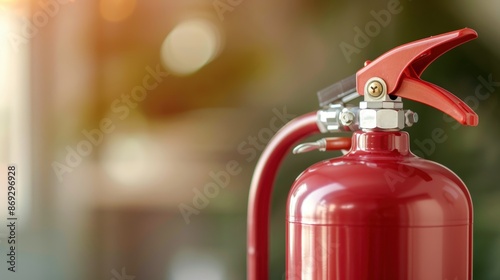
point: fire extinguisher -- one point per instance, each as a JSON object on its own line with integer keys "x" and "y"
{"x": 378, "y": 212}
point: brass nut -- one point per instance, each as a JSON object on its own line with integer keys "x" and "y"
{"x": 375, "y": 88}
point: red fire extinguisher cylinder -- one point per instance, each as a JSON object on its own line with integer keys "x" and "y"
{"x": 379, "y": 212}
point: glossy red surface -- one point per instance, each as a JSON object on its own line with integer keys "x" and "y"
{"x": 402, "y": 66}
{"x": 379, "y": 213}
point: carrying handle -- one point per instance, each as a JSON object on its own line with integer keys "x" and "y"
{"x": 259, "y": 201}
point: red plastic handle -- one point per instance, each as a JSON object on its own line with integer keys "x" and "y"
{"x": 401, "y": 68}
{"x": 440, "y": 99}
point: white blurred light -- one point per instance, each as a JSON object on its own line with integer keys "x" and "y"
{"x": 191, "y": 265}
{"x": 7, "y": 59}
{"x": 131, "y": 160}
{"x": 15, "y": 107}
{"x": 191, "y": 45}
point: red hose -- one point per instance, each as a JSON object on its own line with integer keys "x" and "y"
{"x": 338, "y": 143}
{"x": 259, "y": 201}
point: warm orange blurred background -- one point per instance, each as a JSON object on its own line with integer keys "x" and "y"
{"x": 117, "y": 113}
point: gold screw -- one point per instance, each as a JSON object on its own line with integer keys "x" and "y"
{"x": 375, "y": 88}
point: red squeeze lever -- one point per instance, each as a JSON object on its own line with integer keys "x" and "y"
{"x": 401, "y": 68}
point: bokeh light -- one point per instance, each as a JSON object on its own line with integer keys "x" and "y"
{"x": 130, "y": 160}
{"x": 116, "y": 10}
{"x": 191, "y": 264}
{"x": 191, "y": 45}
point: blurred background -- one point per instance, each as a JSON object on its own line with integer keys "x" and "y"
{"x": 118, "y": 113}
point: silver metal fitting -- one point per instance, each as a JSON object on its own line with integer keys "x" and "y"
{"x": 410, "y": 118}
{"x": 338, "y": 118}
{"x": 319, "y": 145}
{"x": 347, "y": 117}
{"x": 381, "y": 119}
{"x": 379, "y": 110}
{"x": 381, "y": 105}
